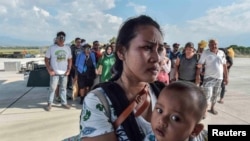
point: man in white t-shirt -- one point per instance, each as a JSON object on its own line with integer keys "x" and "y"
{"x": 58, "y": 61}
{"x": 215, "y": 66}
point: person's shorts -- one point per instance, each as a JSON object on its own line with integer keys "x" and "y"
{"x": 84, "y": 81}
{"x": 211, "y": 87}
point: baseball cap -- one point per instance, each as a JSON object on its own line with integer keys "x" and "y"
{"x": 176, "y": 45}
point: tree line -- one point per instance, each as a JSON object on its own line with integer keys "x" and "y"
{"x": 19, "y": 47}
{"x": 239, "y": 50}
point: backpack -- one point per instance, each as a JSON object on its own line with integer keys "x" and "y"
{"x": 120, "y": 103}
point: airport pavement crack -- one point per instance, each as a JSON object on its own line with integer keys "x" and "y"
{"x": 16, "y": 100}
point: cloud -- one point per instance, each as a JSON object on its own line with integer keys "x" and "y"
{"x": 90, "y": 19}
{"x": 3, "y": 10}
{"x": 139, "y": 9}
{"x": 41, "y": 20}
{"x": 11, "y": 3}
{"x": 225, "y": 20}
{"x": 41, "y": 12}
{"x": 106, "y": 4}
{"x": 221, "y": 23}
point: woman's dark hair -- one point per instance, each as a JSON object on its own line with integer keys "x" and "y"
{"x": 126, "y": 33}
{"x": 182, "y": 88}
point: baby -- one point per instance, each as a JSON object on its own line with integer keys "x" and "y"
{"x": 177, "y": 114}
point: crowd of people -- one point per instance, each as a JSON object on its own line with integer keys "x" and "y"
{"x": 144, "y": 90}
{"x": 85, "y": 63}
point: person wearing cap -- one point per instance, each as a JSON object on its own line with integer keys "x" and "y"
{"x": 58, "y": 61}
{"x": 173, "y": 56}
{"x": 86, "y": 70}
{"x": 168, "y": 49}
{"x": 201, "y": 46}
{"x": 215, "y": 72}
{"x": 186, "y": 65}
{"x": 175, "y": 51}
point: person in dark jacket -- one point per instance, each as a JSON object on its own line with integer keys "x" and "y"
{"x": 86, "y": 70}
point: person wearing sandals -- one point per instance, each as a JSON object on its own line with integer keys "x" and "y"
{"x": 137, "y": 56}
{"x": 215, "y": 72}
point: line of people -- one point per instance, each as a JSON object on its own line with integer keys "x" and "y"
{"x": 141, "y": 60}
{"x": 206, "y": 68}
{"x": 80, "y": 64}
{"x": 161, "y": 109}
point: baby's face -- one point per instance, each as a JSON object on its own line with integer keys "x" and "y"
{"x": 173, "y": 118}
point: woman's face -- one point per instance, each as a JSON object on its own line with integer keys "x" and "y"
{"x": 189, "y": 50}
{"x": 173, "y": 118}
{"x": 141, "y": 60}
{"x": 109, "y": 50}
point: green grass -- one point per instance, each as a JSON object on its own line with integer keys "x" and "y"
{"x": 11, "y": 51}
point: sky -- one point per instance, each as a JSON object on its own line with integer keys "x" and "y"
{"x": 35, "y": 23}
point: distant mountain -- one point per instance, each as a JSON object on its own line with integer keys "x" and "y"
{"x": 8, "y": 41}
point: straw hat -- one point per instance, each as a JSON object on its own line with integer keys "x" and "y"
{"x": 202, "y": 44}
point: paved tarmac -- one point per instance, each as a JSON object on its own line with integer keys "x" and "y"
{"x": 22, "y": 116}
